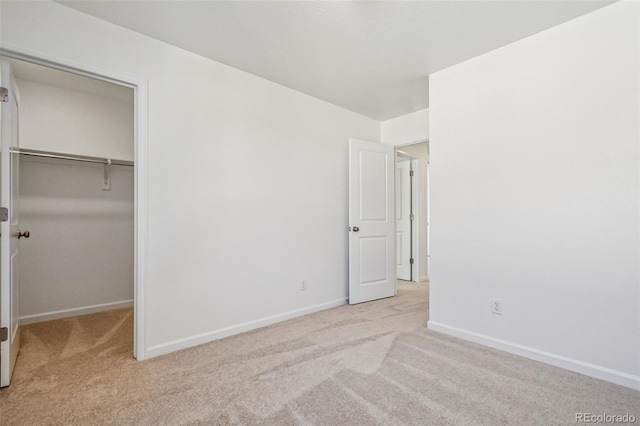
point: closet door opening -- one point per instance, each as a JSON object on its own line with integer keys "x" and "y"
{"x": 404, "y": 217}
{"x": 412, "y": 212}
{"x": 77, "y": 268}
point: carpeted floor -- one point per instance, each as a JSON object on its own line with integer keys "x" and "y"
{"x": 369, "y": 364}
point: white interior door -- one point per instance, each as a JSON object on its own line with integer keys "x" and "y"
{"x": 9, "y": 233}
{"x": 403, "y": 219}
{"x": 372, "y": 272}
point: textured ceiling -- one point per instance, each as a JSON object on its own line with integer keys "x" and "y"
{"x": 373, "y": 58}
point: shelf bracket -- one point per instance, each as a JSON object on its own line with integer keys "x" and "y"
{"x": 106, "y": 183}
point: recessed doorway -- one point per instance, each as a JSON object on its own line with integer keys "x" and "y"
{"x": 77, "y": 169}
{"x": 412, "y": 212}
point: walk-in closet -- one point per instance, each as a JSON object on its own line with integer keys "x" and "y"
{"x": 76, "y": 194}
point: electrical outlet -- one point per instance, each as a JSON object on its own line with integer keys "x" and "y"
{"x": 303, "y": 285}
{"x": 496, "y": 306}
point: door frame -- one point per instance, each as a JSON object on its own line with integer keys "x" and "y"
{"x": 420, "y": 216}
{"x": 416, "y": 187}
{"x": 141, "y": 167}
{"x": 413, "y": 276}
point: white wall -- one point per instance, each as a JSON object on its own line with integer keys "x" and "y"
{"x": 534, "y": 194}
{"x": 247, "y": 181}
{"x": 406, "y": 129}
{"x": 77, "y": 122}
{"x": 79, "y": 258}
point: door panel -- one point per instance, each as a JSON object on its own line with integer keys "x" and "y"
{"x": 9, "y": 172}
{"x": 373, "y": 255}
{"x": 373, "y": 179}
{"x": 372, "y": 273}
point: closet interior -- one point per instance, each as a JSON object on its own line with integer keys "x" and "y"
{"x": 76, "y": 185}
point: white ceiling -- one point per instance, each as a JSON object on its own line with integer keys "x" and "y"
{"x": 370, "y": 57}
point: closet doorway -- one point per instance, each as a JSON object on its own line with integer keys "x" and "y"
{"x": 412, "y": 212}
{"x": 76, "y": 196}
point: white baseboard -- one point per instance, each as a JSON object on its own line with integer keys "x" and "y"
{"x": 592, "y": 370}
{"x": 200, "y": 339}
{"x": 74, "y": 312}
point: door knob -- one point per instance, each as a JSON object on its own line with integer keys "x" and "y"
{"x": 356, "y": 229}
{"x": 24, "y": 234}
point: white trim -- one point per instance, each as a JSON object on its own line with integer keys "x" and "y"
{"x": 416, "y": 250}
{"x": 84, "y": 310}
{"x": 141, "y": 170}
{"x": 141, "y": 180}
{"x": 427, "y": 213}
{"x": 403, "y": 144}
{"x": 592, "y": 370}
{"x": 210, "y": 336}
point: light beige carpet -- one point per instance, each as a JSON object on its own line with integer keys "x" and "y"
{"x": 369, "y": 364}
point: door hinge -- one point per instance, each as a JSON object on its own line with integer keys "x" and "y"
{"x": 4, "y": 214}
{"x": 4, "y": 334}
{"x": 4, "y": 94}
{"x": 410, "y": 172}
{"x": 411, "y": 216}
{"x": 411, "y": 261}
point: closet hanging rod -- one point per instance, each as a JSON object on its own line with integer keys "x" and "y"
{"x": 73, "y": 157}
